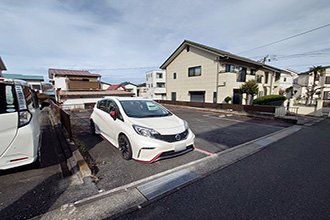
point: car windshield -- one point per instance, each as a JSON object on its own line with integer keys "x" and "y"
{"x": 144, "y": 109}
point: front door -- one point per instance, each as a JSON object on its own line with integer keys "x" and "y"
{"x": 237, "y": 97}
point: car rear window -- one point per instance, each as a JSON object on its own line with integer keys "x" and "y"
{"x": 8, "y": 102}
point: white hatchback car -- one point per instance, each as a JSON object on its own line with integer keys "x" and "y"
{"x": 20, "y": 132}
{"x": 141, "y": 129}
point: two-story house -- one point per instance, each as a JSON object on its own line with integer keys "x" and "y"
{"x": 78, "y": 88}
{"x": 305, "y": 81}
{"x": 156, "y": 84}
{"x": 130, "y": 87}
{"x": 195, "y": 72}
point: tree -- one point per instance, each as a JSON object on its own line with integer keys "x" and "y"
{"x": 251, "y": 89}
{"x": 317, "y": 72}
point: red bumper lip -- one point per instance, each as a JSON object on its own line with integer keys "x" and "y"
{"x": 151, "y": 161}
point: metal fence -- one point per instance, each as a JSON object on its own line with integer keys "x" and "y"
{"x": 64, "y": 118}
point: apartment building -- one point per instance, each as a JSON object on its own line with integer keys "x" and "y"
{"x": 156, "y": 84}
{"x": 199, "y": 73}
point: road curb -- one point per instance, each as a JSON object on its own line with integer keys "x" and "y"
{"x": 75, "y": 162}
{"x": 126, "y": 198}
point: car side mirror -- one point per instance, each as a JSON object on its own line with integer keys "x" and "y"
{"x": 44, "y": 104}
{"x": 113, "y": 114}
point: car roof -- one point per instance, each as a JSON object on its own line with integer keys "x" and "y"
{"x": 119, "y": 98}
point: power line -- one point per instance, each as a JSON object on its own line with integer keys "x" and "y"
{"x": 288, "y": 38}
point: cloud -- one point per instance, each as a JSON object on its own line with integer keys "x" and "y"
{"x": 123, "y": 39}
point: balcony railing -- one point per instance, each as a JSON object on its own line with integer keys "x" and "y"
{"x": 83, "y": 85}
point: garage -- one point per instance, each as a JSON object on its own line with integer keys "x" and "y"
{"x": 197, "y": 96}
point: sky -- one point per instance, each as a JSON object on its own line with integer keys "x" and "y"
{"x": 122, "y": 40}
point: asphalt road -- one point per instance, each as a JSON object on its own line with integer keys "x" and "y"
{"x": 289, "y": 179}
{"x": 213, "y": 134}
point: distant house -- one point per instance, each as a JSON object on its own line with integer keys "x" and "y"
{"x": 199, "y": 73}
{"x": 117, "y": 87}
{"x": 34, "y": 80}
{"x": 286, "y": 80}
{"x": 130, "y": 87}
{"x": 105, "y": 86}
{"x": 305, "y": 81}
{"x": 142, "y": 90}
{"x": 78, "y": 88}
{"x": 156, "y": 84}
{"x": 2, "y": 67}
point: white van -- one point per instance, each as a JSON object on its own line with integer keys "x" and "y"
{"x": 20, "y": 133}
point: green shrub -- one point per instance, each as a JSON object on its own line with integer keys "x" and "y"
{"x": 269, "y": 98}
{"x": 227, "y": 99}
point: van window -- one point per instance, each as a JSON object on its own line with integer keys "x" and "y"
{"x": 8, "y": 102}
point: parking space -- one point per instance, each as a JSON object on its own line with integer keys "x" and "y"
{"x": 214, "y": 133}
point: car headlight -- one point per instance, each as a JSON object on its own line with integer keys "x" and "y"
{"x": 147, "y": 132}
{"x": 185, "y": 125}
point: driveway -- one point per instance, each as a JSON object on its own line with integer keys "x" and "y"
{"x": 214, "y": 133}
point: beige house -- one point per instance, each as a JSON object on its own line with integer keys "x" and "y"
{"x": 195, "y": 72}
{"x": 305, "y": 80}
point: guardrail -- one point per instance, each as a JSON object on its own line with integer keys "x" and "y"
{"x": 64, "y": 118}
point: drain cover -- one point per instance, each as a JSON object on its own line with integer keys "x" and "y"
{"x": 264, "y": 142}
{"x": 164, "y": 184}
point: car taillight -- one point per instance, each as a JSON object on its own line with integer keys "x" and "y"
{"x": 24, "y": 118}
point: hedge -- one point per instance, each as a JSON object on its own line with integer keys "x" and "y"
{"x": 268, "y": 98}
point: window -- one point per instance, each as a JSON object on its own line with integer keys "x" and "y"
{"x": 327, "y": 80}
{"x": 159, "y": 75}
{"x": 160, "y": 85}
{"x": 326, "y": 95}
{"x": 174, "y": 75}
{"x": 230, "y": 68}
{"x": 241, "y": 75}
{"x": 266, "y": 78}
{"x": 253, "y": 72}
{"x": 259, "y": 78}
{"x": 8, "y": 101}
{"x": 195, "y": 71}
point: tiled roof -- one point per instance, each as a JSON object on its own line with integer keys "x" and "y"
{"x": 115, "y": 87}
{"x": 99, "y": 93}
{"x": 71, "y": 73}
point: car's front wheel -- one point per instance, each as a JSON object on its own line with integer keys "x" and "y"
{"x": 92, "y": 127}
{"x": 125, "y": 147}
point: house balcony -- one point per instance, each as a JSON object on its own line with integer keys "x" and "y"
{"x": 160, "y": 90}
{"x": 83, "y": 85}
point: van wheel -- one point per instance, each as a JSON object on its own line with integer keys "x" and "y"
{"x": 125, "y": 147}
{"x": 92, "y": 128}
{"x": 37, "y": 163}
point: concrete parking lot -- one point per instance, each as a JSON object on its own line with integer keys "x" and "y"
{"x": 214, "y": 132}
